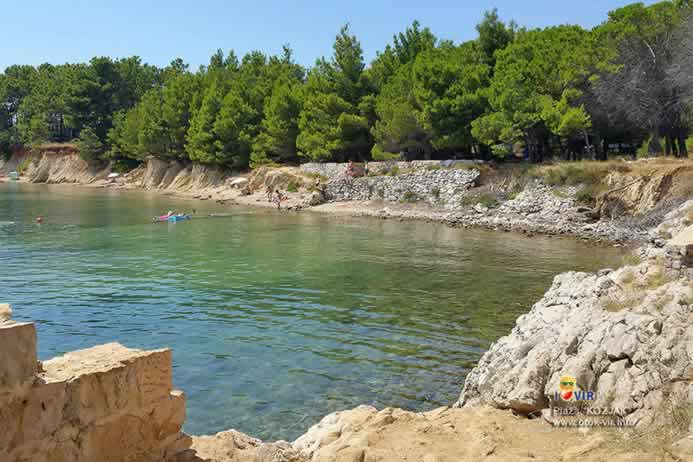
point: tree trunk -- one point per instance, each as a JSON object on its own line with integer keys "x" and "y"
{"x": 667, "y": 145}
{"x": 588, "y": 146}
{"x": 654, "y": 147}
{"x": 599, "y": 151}
{"x": 683, "y": 149}
{"x": 427, "y": 152}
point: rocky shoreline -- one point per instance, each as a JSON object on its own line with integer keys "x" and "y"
{"x": 444, "y": 195}
{"x": 536, "y": 210}
{"x": 625, "y": 335}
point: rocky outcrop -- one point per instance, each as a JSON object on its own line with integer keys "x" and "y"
{"x": 234, "y": 446}
{"x": 541, "y": 209}
{"x": 366, "y": 434}
{"x": 175, "y": 176}
{"x": 107, "y": 403}
{"x": 444, "y": 188}
{"x": 55, "y": 166}
{"x": 626, "y": 335}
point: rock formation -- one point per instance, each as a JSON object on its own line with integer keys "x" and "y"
{"x": 107, "y": 403}
{"x": 626, "y": 335}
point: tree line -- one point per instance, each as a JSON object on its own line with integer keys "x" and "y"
{"x": 561, "y": 91}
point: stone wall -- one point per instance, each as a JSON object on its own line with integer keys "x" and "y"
{"x": 327, "y": 169}
{"x": 107, "y": 403}
{"x": 444, "y": 187}
{"x": 336, "y": 169}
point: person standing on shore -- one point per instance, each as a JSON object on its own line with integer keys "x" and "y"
{"x": 278, "y": 198}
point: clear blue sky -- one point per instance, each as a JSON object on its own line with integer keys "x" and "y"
{"x": 35, "y": 32}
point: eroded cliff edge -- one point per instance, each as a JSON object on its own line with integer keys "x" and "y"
{"x": 628, "y": 200}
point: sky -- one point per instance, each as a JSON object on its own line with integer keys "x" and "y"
{"x": 34, "y": 32}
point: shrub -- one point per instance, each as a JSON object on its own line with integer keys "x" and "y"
{"x": 293, "y": 186}
{"x": 23, "y": 165}
{"x": 630, "y": 260}
{"x": 409, "y": 197}
{"x": 485, "y": 199}
{"x": 689, "y": 216}
{"x": 587, "y": 195}
{"x": 393, "y": 171}
{"x": 377, "y": 153}
{"x": 124, "y": 165}
{"x": 89, "y": 145}
{"x": 435, "y": 192}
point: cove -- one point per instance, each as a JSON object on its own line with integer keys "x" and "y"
{"x": 275, "y": 318}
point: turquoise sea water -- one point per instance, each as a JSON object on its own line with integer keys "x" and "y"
{"x": 275, "y": 318}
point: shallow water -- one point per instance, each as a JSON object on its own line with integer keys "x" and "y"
{"x": 275, "y": 319}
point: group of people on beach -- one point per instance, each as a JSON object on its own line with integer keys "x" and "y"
{"x": 276, "y": 196}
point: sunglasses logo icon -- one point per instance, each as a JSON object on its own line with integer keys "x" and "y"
{"x": 566, "y": 387}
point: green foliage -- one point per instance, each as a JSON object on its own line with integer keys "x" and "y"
{"x": 333, "y": 124}
{"x": 536, "y": 84}
{"x": 293, "y": 186}
{"x": 320, "y": 135}
{"x": 430, "y": 103}
{"x": 36, "y": 132}
{"x": 579, "y": 173}
{"x": 410, "y": 197}
{"x": 378, "y": 154}
{"x": 397, "y": 128}
{"x": 201, "y": 139}
{"x": 89, "y": 145}
{"x": 494, "y": 35}
{"x": 23, "y": 165}
{"x": 405, "y": 48}
{"x": 485, "y": 199}
{"x": 549, "y": 90}
{"x": 449, "y": 87}
{"x": 588, "y": 194}
{"x": 277, "y": 139}
{"x": 124, "y": 136}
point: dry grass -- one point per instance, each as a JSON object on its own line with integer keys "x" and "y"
{"x": 628, "y": 277}
{"x": 689, "y": 216}
{"x": 631, "y": 290}
{"x": 484, "y": 198}
{"x": 630, "y": 260}
{"x": 661, "y": 302}
{"x": 58, "y": 146}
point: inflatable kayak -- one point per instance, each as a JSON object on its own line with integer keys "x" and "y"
{"x": 171, "y": 218}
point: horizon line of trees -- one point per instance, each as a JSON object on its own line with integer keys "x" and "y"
{"x": 560, "y": 91}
